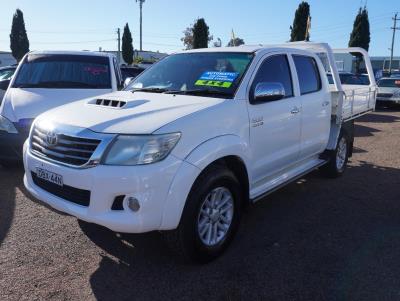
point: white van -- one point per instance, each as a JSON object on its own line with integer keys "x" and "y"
{"x": 49, "y": 79}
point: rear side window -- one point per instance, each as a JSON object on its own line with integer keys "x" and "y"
{"x": 275, "y": 69}
{"x": 308, "y": 74}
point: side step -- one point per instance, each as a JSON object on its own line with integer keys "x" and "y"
{"x": 292, "y": 179}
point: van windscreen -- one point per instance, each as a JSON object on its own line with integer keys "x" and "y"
{"x": 58, "y": 71}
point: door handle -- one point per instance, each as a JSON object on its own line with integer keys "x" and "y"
{"x": 325, "y": 103}
{"x": 295, "y": 110}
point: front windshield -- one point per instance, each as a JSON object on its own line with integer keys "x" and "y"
{"x": 64, "y": 72}
{"x": 389, "y": 83}
{"x": 205, "y": 73}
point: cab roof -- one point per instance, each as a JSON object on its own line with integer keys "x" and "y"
{"x": 242, "y": 48}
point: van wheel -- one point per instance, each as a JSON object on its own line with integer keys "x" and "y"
{"x": 338, "y": 158}
{"x": 210, "y": 218}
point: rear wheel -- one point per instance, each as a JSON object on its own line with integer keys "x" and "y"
{"x": 338, "y": 158}
{"x": 210, "y": 218}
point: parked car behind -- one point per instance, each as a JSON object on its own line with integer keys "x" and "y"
{"x": 388, "y": 91}
{"x": 129, "y": 73}
{"x": 348, "y": 78}
{"x": 45, "y": 80}
{"x": 6, "y": 74}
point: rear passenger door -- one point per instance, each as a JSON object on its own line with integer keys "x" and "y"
{"x": 315, "y": 106}
{"x": 275, "y": 125}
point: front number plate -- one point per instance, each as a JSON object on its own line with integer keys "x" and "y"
{"x": 49, "y": 176}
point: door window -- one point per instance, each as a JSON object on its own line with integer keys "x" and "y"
{"x": 275, "y": 69}
{"x": 308, "y": 74}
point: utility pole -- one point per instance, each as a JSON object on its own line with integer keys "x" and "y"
{"x": 119, "y": 45}
{"x": 141, "y": 6}
{"x": 395, "y": 19}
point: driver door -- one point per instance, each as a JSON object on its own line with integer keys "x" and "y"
{"x": 275, "y": 125}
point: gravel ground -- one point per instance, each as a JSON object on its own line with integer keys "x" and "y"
{"x": 316, "y": 239}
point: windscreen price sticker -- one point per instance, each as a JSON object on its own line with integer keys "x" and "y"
{"x": 217, "y": 79}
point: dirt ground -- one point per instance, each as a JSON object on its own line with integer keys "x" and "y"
{"x": 316, "y": 239}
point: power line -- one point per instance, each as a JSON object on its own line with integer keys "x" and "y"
{"x": 395, "y": 19}
{"x": 73, "y": 42}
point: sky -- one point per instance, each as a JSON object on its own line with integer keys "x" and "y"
{"x": 90, "y": 24}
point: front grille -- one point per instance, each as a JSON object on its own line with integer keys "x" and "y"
{"x": 66, "y": 149}
{"x": 385, "y": 95}
{"x": 68, "y": 193}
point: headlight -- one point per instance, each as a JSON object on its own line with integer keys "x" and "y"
{"x": 7, "y": 126}
{"x": 138, "y": 150}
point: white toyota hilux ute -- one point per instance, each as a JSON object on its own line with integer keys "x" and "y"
{"x": 195, "y": 138}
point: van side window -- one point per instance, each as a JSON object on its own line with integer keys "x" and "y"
{"x": 276, "y": 69}
{"x": 308, "y": 74}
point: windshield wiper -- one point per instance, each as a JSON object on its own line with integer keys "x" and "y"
{"x": 151, "y": 90}
{"x": 200, "y": 92}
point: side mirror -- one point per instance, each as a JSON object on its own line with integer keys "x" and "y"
{"x": 268, "y": 91}
{"x": 128, "y": 81}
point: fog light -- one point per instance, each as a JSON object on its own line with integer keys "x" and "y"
{"x": 133, "y": 204}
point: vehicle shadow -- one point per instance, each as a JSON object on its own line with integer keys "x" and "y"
{"x": 10, "y": 180}
{"x": 364, "y": 131}
{"x": 315, "y": 239}
{"x": 375, "y": 117}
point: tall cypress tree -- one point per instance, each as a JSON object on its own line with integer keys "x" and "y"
{"x": 360, "y": 36}
{"x": 19, "y": 42}
{"x": 299, "y": 28}
{"x": 127, "y": 47}
{"x": 201, "y": 34}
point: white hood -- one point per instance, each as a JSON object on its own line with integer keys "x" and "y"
{"x": 143, "y": 113}
{"x": 19, "y": 103}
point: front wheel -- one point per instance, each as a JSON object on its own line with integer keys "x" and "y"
{"x": 338, "y": 158}
{"x": 210, "y": 217}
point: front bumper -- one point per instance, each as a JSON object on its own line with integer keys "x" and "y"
{"x": 11, "y": 146}
{"x": 149, "y": 184}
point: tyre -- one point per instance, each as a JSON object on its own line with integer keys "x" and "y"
{"x": 338, "y": 158}
{"x": 210, "y": 218}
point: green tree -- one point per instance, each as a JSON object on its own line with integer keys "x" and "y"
{"x": 299, "y": 28}
{"x": 188, "y": 37}
{"x": 236, "y": 42}
{"x": 360, "y": 36}
{"x": 127, "y": 47}
{"x": 19, "y": 42}
{"x": 201, "y": 34}
{"x": 203, "y": 37}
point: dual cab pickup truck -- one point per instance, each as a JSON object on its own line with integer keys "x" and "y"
{"x": 195, "y": 138}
